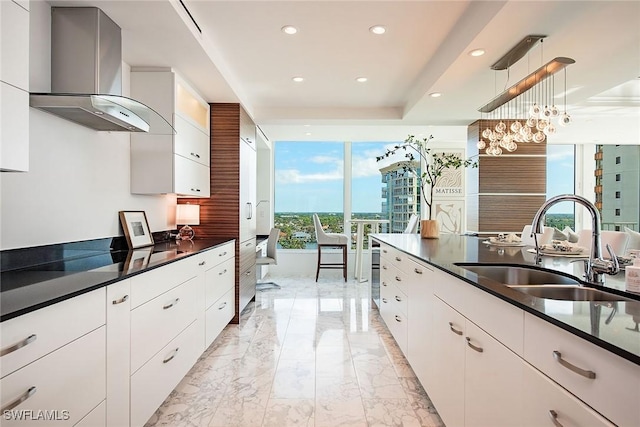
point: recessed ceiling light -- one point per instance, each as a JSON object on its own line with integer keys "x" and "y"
{"x": 298, "y": 79}
{"x": 361, "y": 79}
{"x": 308, "y": 133}
{"x": 378, "y": 29}
{"x": 289, "y": 29}
{"x": 307, "y": 126}
{"x": 435, "y": 94}
{"x": 477, "y": 52}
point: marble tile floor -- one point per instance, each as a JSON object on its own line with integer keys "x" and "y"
{"x": 308, "y": 354}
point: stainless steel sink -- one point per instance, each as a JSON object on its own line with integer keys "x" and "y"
{"x": 569, "y": 293}
{"x": 519, "y": 275}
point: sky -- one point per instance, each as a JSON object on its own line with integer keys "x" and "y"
{"x": 309, "y": 175}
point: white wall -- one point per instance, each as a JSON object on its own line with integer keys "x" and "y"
{"x": 78, "y": 178}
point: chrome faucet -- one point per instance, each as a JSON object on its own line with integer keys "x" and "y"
{"x": 596, "y": 266}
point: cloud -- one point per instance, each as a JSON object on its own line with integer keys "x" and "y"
{"x": 294, "y": 176}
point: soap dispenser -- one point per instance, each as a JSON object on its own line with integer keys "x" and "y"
{"x": 632, "y": 277}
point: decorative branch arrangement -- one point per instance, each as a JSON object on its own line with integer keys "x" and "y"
{"x": 417, "y": 152}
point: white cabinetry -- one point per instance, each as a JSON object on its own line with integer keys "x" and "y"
{"x": 166, "y": 333}
{"x": 546, "y": 403}
{"x": 177, "y": 163}
{"x": 54, "y": 360}
{"x": 118, "y": 353}
{"x": 14, "y": 86}
{"x": 420, "y": 328}
{"x": 393, "y": 294}
{"x": 219, "y": 290}
{"x": 605, "y": 381}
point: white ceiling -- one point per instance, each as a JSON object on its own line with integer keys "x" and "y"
{"x": 243, "y": 56}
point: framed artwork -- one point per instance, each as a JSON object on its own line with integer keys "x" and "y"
{"x": 137, "y": 260}
{"x": 136, "y": 229}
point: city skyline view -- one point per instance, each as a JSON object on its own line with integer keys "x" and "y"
{"x": 309, "y": 176}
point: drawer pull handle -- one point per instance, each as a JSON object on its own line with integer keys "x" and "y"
{"x": 476, "y": 348}
{"x": 223, "y": 253}
{"x": 249, "y": 244}
{"x": 384, "y": 251}
{"x": 398, "y": 279}
{"x": 168, "y": 306}
{"x": 384, "y": 267}
{"x": 384, "y": 300}
{"x": 120, "y": 301}
{"x": 398, "y": 319}
{"x": 454, "y": 330}
{"x": 222, "y": 272}
{"x": 587, "y": 374}
{"x": 554, "y": 418}
{"x": 398, "y": 298}
{"x": 28, "y": 340}
{"x": 384, "y": 284}
{"x": 417, "y": 270}
{"x": 169, "y": 359}
{"x": 202, "y": 263}
{"x": 196, "y": 155}
{"x": 197, "y": 190}
{"x": 27, "y": 394}
{"x": 398, "y": 258}
{"x": 223, "y": 305}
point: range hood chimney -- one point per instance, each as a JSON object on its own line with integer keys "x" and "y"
{"x": 86, "y": 75}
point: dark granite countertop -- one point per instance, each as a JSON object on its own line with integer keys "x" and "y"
{"x": 33, "y": 278}
{"x": 590, "y": 320}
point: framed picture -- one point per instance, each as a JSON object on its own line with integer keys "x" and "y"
{"x": 136, "y": 229}
{"x": 137, "y": 260}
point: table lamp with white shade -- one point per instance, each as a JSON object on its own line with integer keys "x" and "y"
{"x": 187, "y": 215}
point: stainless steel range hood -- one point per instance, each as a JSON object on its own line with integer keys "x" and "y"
{"x": 86, "y": 75}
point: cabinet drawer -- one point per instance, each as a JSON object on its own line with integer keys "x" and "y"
{"x": 545, "y": 400}
{"x": 95, "y": 418}
{"x": 42, "y": 331}
{"x": 155, "y": 282}
{"x": 158, "y": 321}
{"x": 551, "y": 349}
{"x": 71, "y": 379}
{"x": 191, "y": 142}
{"x": 219, "y": 254}
{"x": 219, "y": 280}
{"x": 219, "y": 315}
{"x": 158, "y": 377}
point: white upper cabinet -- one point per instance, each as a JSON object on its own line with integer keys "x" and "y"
{"x": 171, "y": 163}
{"x": 14, "y": 86}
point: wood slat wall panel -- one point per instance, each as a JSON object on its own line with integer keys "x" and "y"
{"x": 513, "y": 175}
{"x": 220, "y": 213}
{"x": 505, "y": 213}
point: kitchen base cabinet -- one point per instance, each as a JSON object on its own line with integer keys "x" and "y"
{"x": 447, "y": 388}
{"x": 152, "y": 383}
{"x": 420, "y": 327}
{"x": 66, "y": 384}
{"x": 547, "y": 403}
{"x": 118, "y": 352}
{"x": 219, "y": 315}
{"x": 603, "y": 380}
{"x": 493, "y": 381}
{"x": 96, "y": 418}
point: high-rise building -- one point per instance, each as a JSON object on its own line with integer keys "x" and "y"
{"x": 618, "y": 186}
{"x": 400, "y": 195}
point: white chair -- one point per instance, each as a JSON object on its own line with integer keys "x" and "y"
{"x": 271, "y": 258}
{"x": 412, "y": 225}
{"x": 543, "y": 238}
{"x": 330, "y": 240}
{"x": 617, "y": 239}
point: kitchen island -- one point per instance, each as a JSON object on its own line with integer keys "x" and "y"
{"x": 479, "y": 347}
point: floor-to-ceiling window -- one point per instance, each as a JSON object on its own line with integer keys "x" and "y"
{"x": 561, "y": 180}
{"x": 309, "y": 178}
